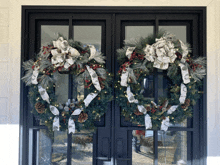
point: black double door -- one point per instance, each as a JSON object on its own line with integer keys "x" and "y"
{"x": 116, "y": 141}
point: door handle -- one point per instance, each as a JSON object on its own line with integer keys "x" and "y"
{"x": 102, "y": 158}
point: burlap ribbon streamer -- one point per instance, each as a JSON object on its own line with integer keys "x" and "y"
{"x": 71, "y": 123}
{"x": 44, "y": 94}
{"x": 35, "y": 75}
{"x": 56, "y": 121}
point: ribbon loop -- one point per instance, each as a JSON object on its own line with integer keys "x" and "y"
{"x": 35, "y": 75}
{"x": 183, "y": 93}
{"x": 71, "y": 123}
{"x": 56, "y": 120}
{"x": 148, "y": 123}
{"x": 130, "y": 96}
{"x": 129, "y": 51}
{"x": 165, "y": 124}
{"x": 185, "y": 73}
{"x": 43, "y": 93}
{"x": 94, "y": 78}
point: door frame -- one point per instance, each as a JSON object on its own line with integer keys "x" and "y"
{"x": 27, "y": 12}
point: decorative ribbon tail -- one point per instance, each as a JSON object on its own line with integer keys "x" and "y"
{"x": 94, "y": 78}
{"x": 185, "y": 73}
{"x": 124, "y": 79}
{"x": 89, "y": 98}
{"x": 172, "y": 109}
{"x": 142, "y": 109}
{"x": 68, "y": 63}
{"x": 148, "y": 123}
{"x": 43, "y": 93}
{"x": 183, "y": 93}
{"x": 92, "y": 51}
{"x": 71, "y": 123}
{"x": 130, "y": 96}
{"x": 129, "y": 51}
{"x": 56, "y": 123}
{"x": 185, "y": 51}
{"x": 34, "y": 76}
{"x": 165, "y": 124}
{"x": 71, "y": 126}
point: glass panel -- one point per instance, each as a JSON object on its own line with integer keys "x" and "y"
{"x": 82, "y": 148}
{"x": 50, "y": 32}
{"x": 172, "y": 147}
{"x": 51, "y": 149}
{"x": 179, "y": 31}
{"x": 142, "y": 147}
{"x": 148, "y": 86}
{"x": 133, "y": 32}
{"x": 88, "y": 35}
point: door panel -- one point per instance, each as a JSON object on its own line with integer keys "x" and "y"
{"x": 116, "y": 140}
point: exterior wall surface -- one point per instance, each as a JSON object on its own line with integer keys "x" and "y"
{"x": 10, "y": 44}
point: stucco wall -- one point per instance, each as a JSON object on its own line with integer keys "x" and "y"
{"x": 10, "y": 41}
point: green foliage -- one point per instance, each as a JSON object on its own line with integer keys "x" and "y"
{"x": 129, "y": 110}
{"x": 47, "y": 78}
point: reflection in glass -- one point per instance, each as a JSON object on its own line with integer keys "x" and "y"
{"x": 88, "y": 35}
{"x": 172, "y": 147}
{"x": 61, "y": 89}
{"x": 135, "y": 32}
{"x": 82, "y": 148}
{"x": 179, "y": 31}
{"x": 50, "y": 32}
{"x": 142, "y": 147}
{"x": 52, "y": 150}
{"x": 148, "y": 86}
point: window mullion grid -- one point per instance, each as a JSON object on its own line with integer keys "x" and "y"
{"x": 70, "y": 94}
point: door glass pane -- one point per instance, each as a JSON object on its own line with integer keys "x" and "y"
{"x": 142, "y": 147}
{"x": 179, "y": 31}
{"x": 51, "y": 147}
{"x": 48, "y": 34}
{"x": 88, "y": 35}
{"x": 134, "y": 32}
{"x": 172, "y": 147}
{"x": 82, "y": 146}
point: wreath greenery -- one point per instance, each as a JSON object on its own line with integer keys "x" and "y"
{"x": 87, "y": 66}
{"x": 138, "y": 59}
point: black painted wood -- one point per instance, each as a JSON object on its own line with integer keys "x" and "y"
{"x": 113, "y": 129}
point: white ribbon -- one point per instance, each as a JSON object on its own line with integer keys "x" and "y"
{"x": 71, "y": 123}
{"x": 172, "y": 109}
{"x": 129, "y": 51}
{"x": 68, "y": 63}
{"x": 94, "y": 78}
{"x": 130, "y": 96}
{"x": 142, "y": 109}
{"x": 56, "y": 121}
{"x": 183, "y": 93}
{"x": 149, "y": 53}
{"x": 148, "y": 123}
{"x": 43, "y": 93}
{"x": 185, "y": 51}
{"x": 92, "y": 51}
{"x": 89, "y": 98}
{"x": 165, "y": 124}
{"x": 185, "y": 73}
{"x": 34, "y": 75}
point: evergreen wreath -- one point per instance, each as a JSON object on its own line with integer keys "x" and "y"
{"x": 87, "y": 66}
{"x": 138, "y": 59}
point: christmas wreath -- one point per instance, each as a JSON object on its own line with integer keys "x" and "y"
{"x": 86, "y": 65}
{"x": 138, "y": 59}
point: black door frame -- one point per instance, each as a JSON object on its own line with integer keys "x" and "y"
{"x": 64, "y": 12}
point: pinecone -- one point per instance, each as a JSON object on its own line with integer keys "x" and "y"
{"x": 82, "y": 117}
{"x": 137, "y": 112}
{"x": 40, "y": 108}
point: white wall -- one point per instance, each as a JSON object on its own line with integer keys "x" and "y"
{"x": 10, "y": 41}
